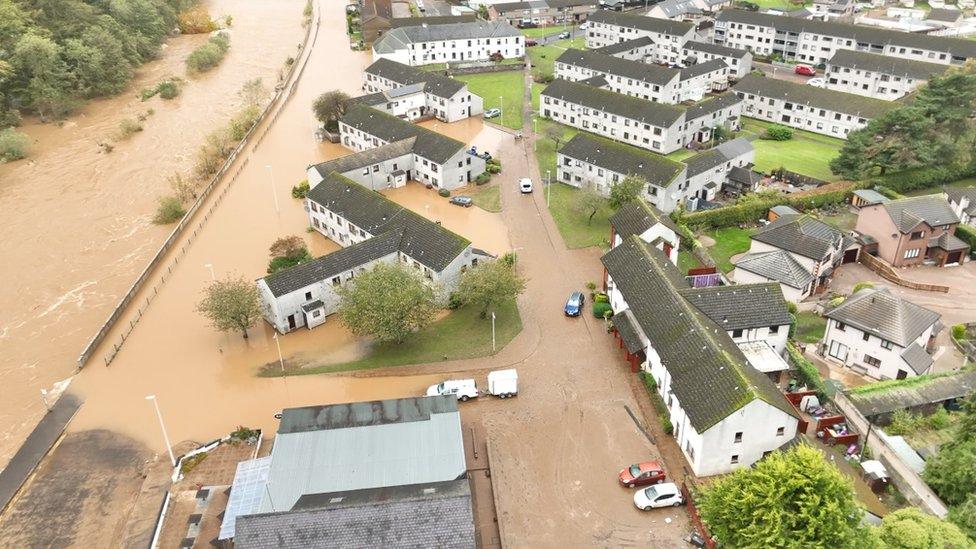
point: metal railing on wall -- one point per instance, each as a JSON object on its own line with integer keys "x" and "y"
{"x": 277, "y": 103}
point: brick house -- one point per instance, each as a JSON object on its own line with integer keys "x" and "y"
{"x": 915, "y": 230}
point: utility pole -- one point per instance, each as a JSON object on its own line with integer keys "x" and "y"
{"x": 159, "y": 415}
{"x": 493, "y": 331}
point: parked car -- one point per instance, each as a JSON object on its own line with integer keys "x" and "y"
{"x": 463, "y": 389}
{"x": 805, "y": 70}
{"x": 665, "y": 494}
{"x": 584, "y": 26}
{"x": 530, "y": 42}
{"x": 503, "y": 383}
{"x": 642, "y": 474}
{"x": 462, "y": 200}
{"x": 492, "y": 113}
{"x": 817, "y": 82}
{"x": 525, "y": 185}
{"x": 565, "y": 34}
{"x": 574, "y": 305}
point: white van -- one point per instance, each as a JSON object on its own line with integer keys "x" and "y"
{"x": 503, "y": 383}
{"x": 463, "y": 389}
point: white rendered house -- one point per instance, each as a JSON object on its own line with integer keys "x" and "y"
{"x": 608, "y": 27}
{"x": 450, "y": 43}
{"x": 411, "y": 93}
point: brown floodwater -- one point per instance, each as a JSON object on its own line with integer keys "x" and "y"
{"x": 205, "y": 380}
{"x": 76, "y": 226}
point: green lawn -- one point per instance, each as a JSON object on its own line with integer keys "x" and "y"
{"x": 686, "y": 261}
{"x": 810, "y": 327}
{"x": 843, "y": 220}
{"x": 543, "y": 58}
{"x": 807, "y": 153}
{"x": 509, "y": 85}
{"x": 536, "y": 91}
{"x": 541, "y": 32}
{"x": 488, "y": 198}
{"x": 968, "y": 182}
{"x": 681, "y": 154}
{"x": 729, "y": 241}
{"x": 461, "y": 334}
{"x": 573, "y": 225}
{"x": 784, "y": 5}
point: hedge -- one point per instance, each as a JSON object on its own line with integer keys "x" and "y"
{"x": 923, "y": 178}
{"x": 662, "y": 410}
{"x": 807, "y": 372}
{"x": 967, "y": 234}
{"x": 739, "y": 214}
{"x": 888, "y": 193}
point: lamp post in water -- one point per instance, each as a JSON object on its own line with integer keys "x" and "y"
{"x": 159, "y": 415}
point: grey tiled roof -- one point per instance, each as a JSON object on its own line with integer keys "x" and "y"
{"x": 871, "y": 196}
{"x": 400, "y": 37}
{"x": 886, "y": 64}
{"x": 398, "y": 22}
{"x": 714, "y": 157}
{"x": 429, "y": 144}
{"x": 858, "y": 33}
{"x": 715, "y": 49}
{"x": 744, "y": 175}
{"x": 741, "y": 306}
{"x": 623, "y": 159}
{"x": 636, "y": 217}
{"x": 956, "y": 194}
{"x": 624, "y": 323}
{"x": 710, "y": 376}
{"x": 674, "y": 8}
{"x": 421, "y": 515}
{"x": 948, "y": 242}
{"x": 945, "y": 15}
{"x": 617, "y": 66}
{"x": 812, "y": 96}
{"x": 936, "y": 389}
{"x": 648, "y": 112}
{"x": 358, "y": 160}
{"x": 887, "y": 316}
{"x": 917, "y": 359}
{"x": 404, "y": 75}
{"x": 779, "y": 266}
{"x": 640, "y": 22}
{"x": 908, "y": 213}
{"x": 625, "y": 46}
{"x": 800, "y": 234}
{"x": 712, "y": 105}
{"x": 699, "y": 69}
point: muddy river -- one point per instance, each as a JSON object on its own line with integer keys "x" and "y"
{"x": 205, "y": 380}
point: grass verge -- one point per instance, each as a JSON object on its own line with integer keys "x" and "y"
{"x": 488, "y": 198}
{"x": 807, "y": 153}
{"x": 507, "y": 85}
{"x": 461, "y": 334}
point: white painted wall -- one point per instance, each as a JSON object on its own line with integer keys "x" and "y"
{"x": 857, "y": 348}
{"x": 870, "y": 83}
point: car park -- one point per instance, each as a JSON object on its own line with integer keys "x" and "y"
{"x": 805, "y": 70}
{"x": 666, "y": 494}
{"x": 642, "y": 474}
{"x": 463, "y": 389}
{"x": 574, "y": 305}
{"x": 461, "y": 200}
{"x": 525, "y": 185}
{"x": 492, "y": 113}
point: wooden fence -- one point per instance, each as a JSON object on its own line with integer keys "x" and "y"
{"x": 889, "y": 273}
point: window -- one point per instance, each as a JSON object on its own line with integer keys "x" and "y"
{"x": 780, "y": 431}
{"x": 872, "y": 361}
{"x": 738, "y": 437}
{"x": 336, "y": 281}
{"x": 918, "y": 235}
{"x": 308, "y": 296}
{"x": 840, "y": 326}
{"x": 885, "y": 344}
{"x": 913, "y": 253}
{"x": 736, "y": 333}
{"x": 866, "y": 336}
{"x": 774, "y": 329}
{"x": 735, "y": 459}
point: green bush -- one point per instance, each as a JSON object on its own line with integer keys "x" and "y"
{"x": 751, "y": 211}
{"x": 967, "y": 234}
{"x": 666, "y": 425}
{"x": 127, "y": 128}
{"x": 959, "y": 332}
{"x": 792, "y": 332}
{"x": 862, "y": 285}
{"x": 923, "y": 178}
{"x": 444, "y": 192}
{"x": 300, "y": 190}
{"x": 168, "y": 89}
{"x": 600, "y": 309}
{"x": 600, "y": 297}
{"x": 791, "y": 307}
{"x": 209, "y": 55}
{"x": 14, "y": 145}
{"x": 454, "y": 301}
{"x": 807, "y": 372}
{"x": 482, "y": 178}
{"x": 777, "y": 133}
{"x": 169, "y": 210}
{"x": 888, "y": 193}
{"x": 493, "y": 168}
{"x": 282, "y": 263}
{"x": 649, "y": 381}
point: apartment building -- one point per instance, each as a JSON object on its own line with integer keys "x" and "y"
{"x": 815, "y": 42}
{"x": 437, "y": 159}
{"x": 412, "y": 93}
{"x": 818, "y": 110}
{"x": 610, "y": 27}
{"x": 371, "y": 229}
{"x": 637, "y": 49}
{"x": 452, "y": 42}
{"x": 652, "y": 126}
{"x": 726, "y": 413}
{"x": 738, "y": 61}
{"x": 645, "y": 81}
{"x": 878, "y": 76}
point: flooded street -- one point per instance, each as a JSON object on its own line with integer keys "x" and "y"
{"x": 76, "y": 222}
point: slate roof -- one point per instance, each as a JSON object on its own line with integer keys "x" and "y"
{"x": 741, "y": 306}
{"x": 400, "y": 37}
{"x": 948, "y": 242}
{"x": 617, "y": 66}
{"x": 744, "y": 176}
{"x": 674, "y": 8}
{"x": 625, "y": 324}
{"x": 872, "y": 35}
{"x": 699, "y": 69}
{"x": 635, "y": 217}
{"x": 640, "y": 22}
{"x": 398, "y": 22}
{"x": 505, "y": 7}
{"x": 429, "y": 144}
{"x": 405, "y": 75}
{"x": 885, "y": 64}
{"x": 778, "y": 265}
{"x": 916, "y": 358}
{"x": 944, "y": 15}
{"x": 812, "y": 96}
{"x": 716, "y": 156}
{"x": 710, "y": 376}
{"x": 908, "y": 213}
{"x": 885, "y": 315}
{"x": 956, "y": 194}
{"x": 625, "y": 46}
{"x": 871, "y": 197}
{"x": 935, "y": 389}
{"x": 648, "y": 112}
{"x": 800, "y": 234}
{"x": 715, "y": 49}
{"x": 623, "y": 159}
{"x": 712, "y": 105}
{"x": 358, "y": 160}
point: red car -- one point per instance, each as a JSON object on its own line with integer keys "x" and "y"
{"x": 805, "y": 70}
{"x": 642, "y": 474}
{"x": 529, "y": 42}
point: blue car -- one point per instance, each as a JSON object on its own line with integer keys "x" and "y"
{"x": 575, "y": 304}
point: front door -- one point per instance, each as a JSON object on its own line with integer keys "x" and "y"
{"x": 291, "y": 322}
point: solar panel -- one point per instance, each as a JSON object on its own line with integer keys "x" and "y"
{"x": 246, "y": 492}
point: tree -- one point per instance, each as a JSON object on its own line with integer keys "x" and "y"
{"x": 966, "y": 428}
{"x": 952, "y": 472}
{"x": 589, "y": 201}
{"x": 949, "y": 100}
{"x": 912, "y": 529}
{"x": 788, "y": 499}
{"x": 388, "y": 303}
{"x": 626, "y": 191}
{"x": 490, "y": 284}
{"x": 329, "y": 108}
{"x": 287, "y": 252}
{"x": 554, "y": 133}
{"x": 964, "y": 516}
{"x": 231, "y": 304}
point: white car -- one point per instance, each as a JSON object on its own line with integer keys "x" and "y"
{"x": 584, "y": 26}
{"x": 817, "y": 82}
{"x": 463, "y": 389}
{"x": 503, "y": 383}
{"x": 665, "y": 494}
{"x": 493, "y": 113}
{"x": 525, "y": 185}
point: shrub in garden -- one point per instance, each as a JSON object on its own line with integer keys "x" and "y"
{"x": 959, "y": 332}
{"x": 482, "y": 178}
{"x": 300, "y": 190}
{"x": 14, "y": 145}
{"x": 777, "y": 133}
{"x": 444, "y": 192}
{"x": 600, "y": 297}
{"x": 454, "y": 301}
{"x": 600, "y": 309}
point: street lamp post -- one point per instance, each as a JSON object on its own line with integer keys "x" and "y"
{"x": 273, "y": 193}
{"x": 213, "y": 276}
{"x": 159, "y": 415}
{"x": 281, "y": 360}
{"x": 493, "y": 331}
